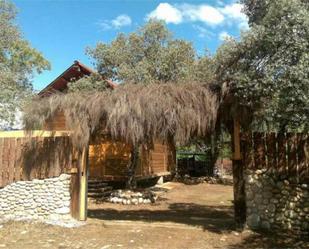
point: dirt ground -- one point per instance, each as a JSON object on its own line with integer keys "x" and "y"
{"x": 186, "y": 216}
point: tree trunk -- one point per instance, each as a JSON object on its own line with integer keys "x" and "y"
{"x": 240, "y": 208}
{"x": 131, "y": 180}
{"x": 239, "y": 194}
{"x": 214, "y": 151}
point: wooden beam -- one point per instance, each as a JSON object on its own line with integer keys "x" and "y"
{"x": 83, "y": 176}
{"x": 35, "y": 133}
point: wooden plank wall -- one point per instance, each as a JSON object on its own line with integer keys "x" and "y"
{"x": 109, "y": 159}
{"x": 57, "y": 123}
{"x": 159, "y": 158}
{"x": 26, "y": 158}
{"x": 287, "y": 154}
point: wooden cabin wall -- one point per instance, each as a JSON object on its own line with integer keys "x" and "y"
{"x": 57, "y": 123}
{"x": 109, "y": 159}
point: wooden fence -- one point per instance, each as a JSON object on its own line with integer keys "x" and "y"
{"x": 287, "y": 154}
{"x": 41, "y": 155}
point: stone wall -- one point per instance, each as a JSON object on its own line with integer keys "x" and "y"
{"x": 275, "y": 202}
{"x": 47, "y": 199}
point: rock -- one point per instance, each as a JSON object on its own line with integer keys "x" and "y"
{"x": 63, "y": 210}
{"x": 253, "y": 221}
{"x": 258, "y": 172}
{"x": 64, "y": 177}
{"x": 267, "y": 194}
{"x": 265, "y": 225}
{"x": 146, "y": 201}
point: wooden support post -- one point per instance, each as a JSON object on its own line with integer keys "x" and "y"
{"x": 83, "y": 177}
{"x": 238, "y": 179}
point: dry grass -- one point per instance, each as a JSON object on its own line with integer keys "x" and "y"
{"x": 132, "y": 112}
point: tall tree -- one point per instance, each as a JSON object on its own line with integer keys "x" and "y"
{"x": 18, "y": 62}
{"x": 268, "y": 69}
{"x": 148, "y": 55}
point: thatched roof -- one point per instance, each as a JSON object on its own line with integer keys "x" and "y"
{"x": 134, "y": 113}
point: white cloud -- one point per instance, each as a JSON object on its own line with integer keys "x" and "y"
{"x": 167, "y": 13}
{"x": 202, "y": 13}
{"x": 203, "y": 32}
{"x": 179, "y": 13}
{"x": 234, "y": 13}
{"x": 186, "y": 12}
{"x": 117, "y": 23}
{"x": 224, "y": 36}
{"x": 120, "y": 21}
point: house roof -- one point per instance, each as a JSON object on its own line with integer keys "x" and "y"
{"x": 76, "y": 71}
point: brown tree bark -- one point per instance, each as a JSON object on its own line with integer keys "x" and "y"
{"x": 239, "y": 194}
{"x": 238, "y": 180}
{"x": 131, "y": 180}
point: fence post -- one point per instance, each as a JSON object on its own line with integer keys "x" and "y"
{"x": 238, "y": 178}
{"x": 83, "y": 173}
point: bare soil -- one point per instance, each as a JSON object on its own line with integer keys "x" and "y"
{"x": 186, "y": 216}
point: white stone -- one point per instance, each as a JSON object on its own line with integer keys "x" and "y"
{"x": 160, "y": 180}
{"x": 63, "y": 210}
{"x": 63, "y": 177}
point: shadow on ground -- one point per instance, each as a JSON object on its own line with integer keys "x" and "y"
{"x": 213, "y": 218}
{"x": 282, "y": 240}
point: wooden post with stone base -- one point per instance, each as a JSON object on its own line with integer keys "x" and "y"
{"x": 238, "y": 179}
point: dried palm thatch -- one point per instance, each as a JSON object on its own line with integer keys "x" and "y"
{"x": 134, "y": 113}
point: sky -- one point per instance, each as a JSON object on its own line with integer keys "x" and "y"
{"x": 62, "y": 29}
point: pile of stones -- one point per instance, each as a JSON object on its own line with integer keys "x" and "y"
{"x": 276, "y": 203}
{"x": 128, "y": 197}
{"x": 189, "y": 180}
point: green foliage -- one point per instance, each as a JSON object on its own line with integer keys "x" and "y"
{"x": 268, "y": 69}
{"x": 148, "y": 55}
{"x": 18, "y": 62}
{"x": 94, "y": 82}
{"x": 257, "y": 9}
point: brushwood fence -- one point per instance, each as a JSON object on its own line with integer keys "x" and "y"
{"x": 285, "y": 153}
{"x": 41, "y": 155}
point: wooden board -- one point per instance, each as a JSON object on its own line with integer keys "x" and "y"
{"x": 27, "y": 158}
{"x": 109, "y": 159}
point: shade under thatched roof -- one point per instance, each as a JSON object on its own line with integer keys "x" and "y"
{"x": 134, "y": 113}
